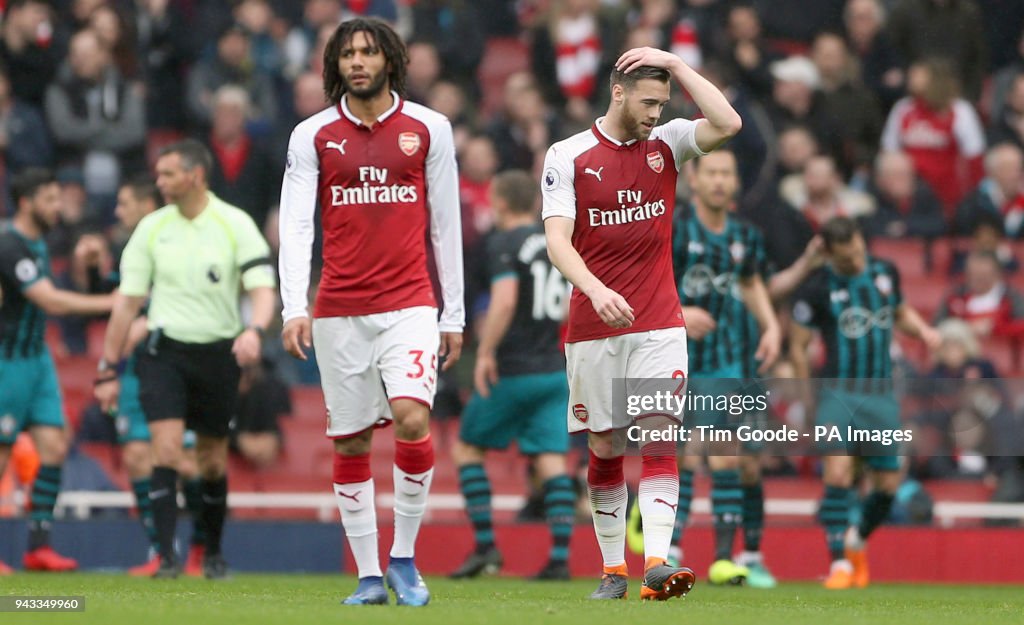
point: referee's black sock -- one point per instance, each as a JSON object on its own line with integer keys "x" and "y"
{"x": 163, "y": 497}
{"x": 215, "y": 509}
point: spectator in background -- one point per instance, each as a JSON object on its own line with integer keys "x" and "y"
{"x": 257, "y": 17}
{"x": 939, "y": 130}
{"x": 1008, "y": 124}
{"x": 904, "y": 205}
{"x": 850, "y": 106}
{"x": 97, "y": 117}
{"x": 307, "y": 100}
{"x": 1001, "y": 192}
{"x": 242, "y": 173}
{"x": 959, "y": 355}
{"x": 870, "y": 43}
{"x": 163, "y": 52}
{"x": 231, "y": 65}
{"x": 573, "y": 52}
{"x": 26, "y": 49}
{"x": 745, "y": 51}
{"x": 984, "y": 300}
{"x": 987, "y": 235}
{"x": 448, "y": 99}
{"x": 112, "y": 30}
{"x": 1003, "y": 81}
{"x": 478, "y": 162}
{"x": 256, "y": 430}
{"x": 820, "y": 194}
{"x": 795, "y": 22}
{"x": 24, "y": 138}
{"x": 301, "y": 41}
{"x": 797, "y": 145}
{"x": 422, "y": 72}
{"x": 674, "y": 31}
{"x": 946, "y": 29}
{"x": 525, "y": 128}
{"x": 797, "y": 101}
{"x": 456, "y": 29}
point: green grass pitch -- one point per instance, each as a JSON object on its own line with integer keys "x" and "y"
{"x": 117, "y": 599}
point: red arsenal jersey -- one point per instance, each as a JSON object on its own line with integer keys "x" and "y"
{"x": 621, "y": 196}
{"x": 379, "y": 189}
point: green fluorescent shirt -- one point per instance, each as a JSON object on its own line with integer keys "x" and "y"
{"x": 196, "y": 269}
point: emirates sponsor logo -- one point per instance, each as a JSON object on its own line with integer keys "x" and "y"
{"x": 631, "y": 208}
{"x": 921, "y": 134}
{"x": 374, "y": 190}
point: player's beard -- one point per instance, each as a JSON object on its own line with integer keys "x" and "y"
{"x": 41, "y": 223}
{"x": 632, "y": 126}
{"x": 371, "y": 90}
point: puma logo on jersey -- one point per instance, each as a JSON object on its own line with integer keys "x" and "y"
{"x": 613, "y": 514}
{"x": 673, "y": 506}
{"x": 596, "y": 174}
{"x": 337, "y": 146}
{"x": 354, "y": 496}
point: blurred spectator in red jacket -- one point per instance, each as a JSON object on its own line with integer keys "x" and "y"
{"x": 984, "y": 299}
{"x": 1000, "y": 193}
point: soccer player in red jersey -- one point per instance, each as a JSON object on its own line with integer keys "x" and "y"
{"x": 608, "y": 201}
{"x": 383, "y": 171}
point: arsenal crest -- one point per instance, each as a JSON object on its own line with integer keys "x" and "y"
{"x": 408, "y": 142}
{"x": 656, "y": 162}
{"x": 580, "y": 412}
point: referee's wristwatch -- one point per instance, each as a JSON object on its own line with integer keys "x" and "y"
{"x": 106, "y": 372}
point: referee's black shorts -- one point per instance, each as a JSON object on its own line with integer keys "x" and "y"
{"x": 194, "y": 381}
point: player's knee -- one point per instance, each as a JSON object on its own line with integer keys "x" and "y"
{"x": 137, "y": 460}
{"x": 53, "y": 450}
{"x": 355, "y": 445}
{"x": 604, "y": 447}
{"x": 413, "y": 423}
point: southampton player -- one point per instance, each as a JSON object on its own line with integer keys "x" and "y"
{"x": 854, "y": 301}
{"x": 519, "y": 377}
{"x": 30, "y": 397}
{"x": 608, "y": 203}
{"x": 720, "y": 264}
{"x": 383, "y": 171}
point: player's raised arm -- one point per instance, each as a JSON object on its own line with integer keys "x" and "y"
{"x": 446, "y": 236}
{"x": 298, "y": 206}
{"x": 721, "y": 120}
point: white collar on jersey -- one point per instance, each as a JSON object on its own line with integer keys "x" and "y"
{"x": 597, "y": 124}
{"x": 358, "y": 122}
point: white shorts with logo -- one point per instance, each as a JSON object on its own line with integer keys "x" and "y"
{"x": 369, "y": 360}
{"x": 592, "y": 367}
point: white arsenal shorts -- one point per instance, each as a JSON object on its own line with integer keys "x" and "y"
{"x": 369, "y": 360}
{"x": 594, "y": 365}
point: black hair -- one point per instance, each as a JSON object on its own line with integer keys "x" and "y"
{"x": 143, "y": 188}
{"x": 381, "y": 35}
{"x": 988, "y": 219}
{"x": 27, "y": 182}
{"x": 644, "y": 72}
{"x": 839, "y": 230}
{"x": 697, "y": 159}
{"x": 192, "y": 153}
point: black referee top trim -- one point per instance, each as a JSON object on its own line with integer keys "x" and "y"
{"x": 256, "y": 262}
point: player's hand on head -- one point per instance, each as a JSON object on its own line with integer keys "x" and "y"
{"x": 485, "y": 373}
{"x": 612, "y": 308}
{"x": 768, "y": 349}
{"x": 814, "y": 253}
{"x": 699, "y": 322}
{"x": 451, "y": 349}
{"x": 638, "y": 57}
{"x": 297, "y": 337}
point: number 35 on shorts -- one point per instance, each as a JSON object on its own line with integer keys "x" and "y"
{"x": 421, "y": 370}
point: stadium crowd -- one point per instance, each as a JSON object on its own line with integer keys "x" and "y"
{"x": 907, "y": 115}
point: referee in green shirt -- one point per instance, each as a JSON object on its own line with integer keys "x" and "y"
{"x": 191, "y": 258}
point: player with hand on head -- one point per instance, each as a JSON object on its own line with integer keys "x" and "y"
{"x": 383, "y": 171}
{"x": 608, "y": 208}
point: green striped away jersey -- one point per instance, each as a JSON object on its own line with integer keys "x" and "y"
{"x": 855, "y": 315}
{"x": 23, "y": 262}
{"x": 707, "y": 266}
